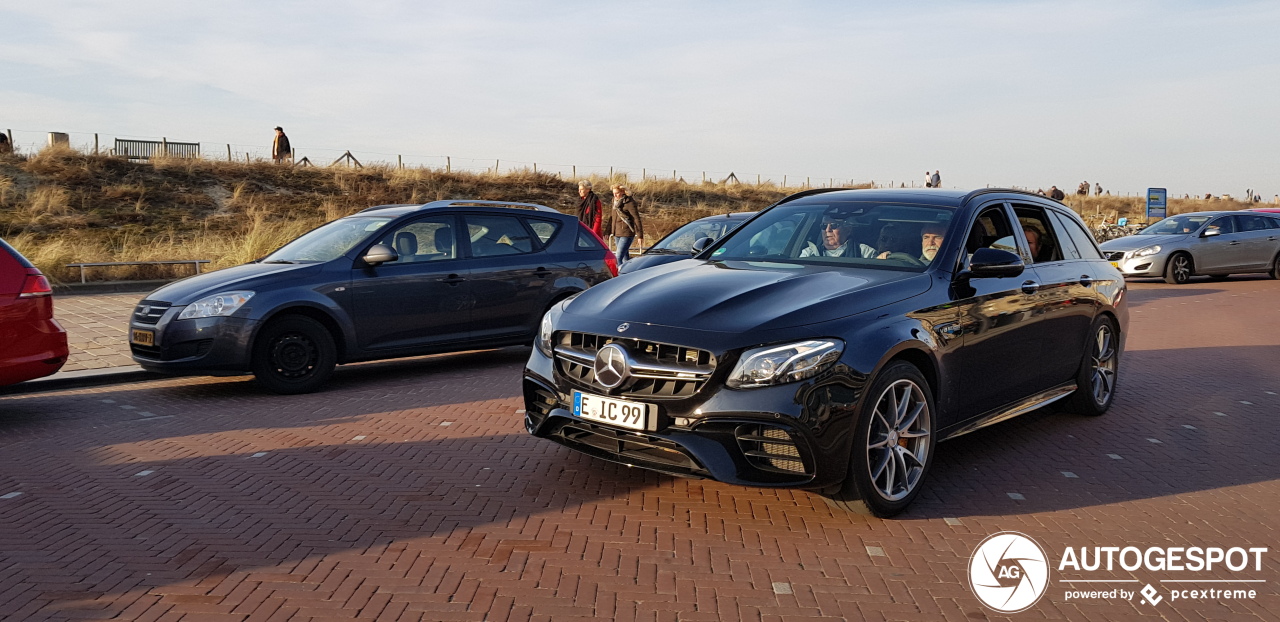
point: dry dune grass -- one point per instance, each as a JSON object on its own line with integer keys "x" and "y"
{"x": 59, "y": 206}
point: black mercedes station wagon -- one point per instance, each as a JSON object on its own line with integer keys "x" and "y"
{"x": 390, "y": 281}
{"x": 832, "y": 340}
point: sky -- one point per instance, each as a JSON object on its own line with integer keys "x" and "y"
{"x": 1182, "y": 95}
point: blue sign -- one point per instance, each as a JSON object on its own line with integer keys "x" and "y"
{"x": 1157, "y": 203}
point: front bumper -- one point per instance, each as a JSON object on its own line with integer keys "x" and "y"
{"x": 791, "y": 435}
{"x": 216, "y": 345}
{"x": 1151, "y": 265}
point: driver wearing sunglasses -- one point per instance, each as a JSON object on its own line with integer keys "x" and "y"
{"x": 835, "y": 241}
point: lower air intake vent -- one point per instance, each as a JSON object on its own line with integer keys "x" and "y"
{"x": 770, "y": 448}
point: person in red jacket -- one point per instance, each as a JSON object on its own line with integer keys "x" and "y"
{"x": 589, "y": 208}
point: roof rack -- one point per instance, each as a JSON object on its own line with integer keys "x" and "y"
{"x": 477, "y": 202}
{"x": 388, "y": 206}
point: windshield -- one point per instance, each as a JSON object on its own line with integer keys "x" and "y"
{"x": 328, "y": 242}
{"x": 856, "y": 234}
{"x": 682, "y": 239}
{"x": 1176, "y": 224}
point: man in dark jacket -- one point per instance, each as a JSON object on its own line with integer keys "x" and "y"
{"x": 590, "y": 210}
{"x": 1056, "y": 194}
{"x": 280, "y": 149}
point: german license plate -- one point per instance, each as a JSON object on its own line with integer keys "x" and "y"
{"x": 142, "y": 337}
{"x": 621, "y": 413}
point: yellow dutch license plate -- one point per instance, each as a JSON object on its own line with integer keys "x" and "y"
{"x": 142, "y": 337}
{"x": 1115, "y": 264}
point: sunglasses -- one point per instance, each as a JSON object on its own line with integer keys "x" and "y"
{"x": 830, "y": 226}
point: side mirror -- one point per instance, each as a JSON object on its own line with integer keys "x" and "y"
{"x": 1208, "y": 233}
{"x": 379, "y": 254}
{"x": 992, "y": 263}
{"x": 700, "y": 245}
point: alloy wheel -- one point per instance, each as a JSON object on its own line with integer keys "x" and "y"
{"x": 898, "y": 441}
{"x": 1103, "y": 377}
{"x": 1181, "y": 269}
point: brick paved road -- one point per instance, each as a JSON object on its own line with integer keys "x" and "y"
{"x": 97, "y": 328}
{"x": 408, "y": 491}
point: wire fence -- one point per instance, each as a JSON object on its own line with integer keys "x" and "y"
{"x": 31, "y": 141}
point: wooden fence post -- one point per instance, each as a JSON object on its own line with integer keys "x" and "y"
{"x": 448, "y": 164}
{"x": 757, "y": 179}
{"x": 228, "y": 152}
{"x": 399, "y": 161}
{"x": 784, "y": 181}
{"x": 575, "y": 171}
{"x": 164, "y": 146}
{"x": 246, "y": 157}
{"x": 95, "y": 143}
{"x": 496, "y": 163}
{"x": 644, "y": 174}
{"x": 535, "y": 168}
{"x": 610, "y": 173}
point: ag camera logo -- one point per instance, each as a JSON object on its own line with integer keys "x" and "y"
{"x": 1009, "y": 572}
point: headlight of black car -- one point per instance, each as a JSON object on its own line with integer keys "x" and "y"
{"x": 780, "y": 364}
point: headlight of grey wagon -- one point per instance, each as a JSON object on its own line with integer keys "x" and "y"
{"x": 217, "y": 305}
{"x": 785, "y": 363}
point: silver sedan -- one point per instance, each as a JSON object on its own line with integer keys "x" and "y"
{"x": 1208, "y": 243}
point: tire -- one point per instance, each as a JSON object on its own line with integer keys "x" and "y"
{"x": 1275, "y": 267}
{"x": 293, "y": 354}
{"x": 1179, "y": 269}
{"x": 880, "y": 482}
{"x": 1099, "y": 370}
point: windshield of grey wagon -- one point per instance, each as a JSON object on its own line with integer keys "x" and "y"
{"x": 328, "y": 242}
{"x": 1176, "y": 224}
{"x": 857, "y": 234}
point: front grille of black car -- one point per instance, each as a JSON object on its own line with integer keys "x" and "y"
{"x": 631, "y": 447}
{"x": 1114, "y": 255}
{"x": 769, "y": 448}
{"x": 149, "y": 312}
{"x": 657, "y": 370}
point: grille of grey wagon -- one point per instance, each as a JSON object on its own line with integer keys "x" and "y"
{"x": 657, "y": 370}
{"x": 148, "y": 312}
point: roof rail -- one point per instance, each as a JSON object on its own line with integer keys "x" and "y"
{"x": 806, "y": 193}
{"x": 388, "y": 206}
{"x": 982, "y": 191}
{"x": 529, "y": 206}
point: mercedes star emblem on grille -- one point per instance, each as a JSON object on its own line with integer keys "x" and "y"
{"x": 622, "y": 328}
{"x": 611, "y": 366}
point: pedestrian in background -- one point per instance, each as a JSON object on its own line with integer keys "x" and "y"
{"x": 590, "y": 209}
{"x": 5, "y": 145}
{"x": 1056, "y": 194}
{"x": 936, "y": 180}
{"x": 928, "y": 180}
{"x": 1083, "y": 189}
{"x": 627, "y": 225}
{"x": 1097, "y": 189}
{"x": 280, "y": 149}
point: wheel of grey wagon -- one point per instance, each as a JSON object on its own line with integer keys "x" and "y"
{"x": 893, "y": 444}
{"x": 1096, "y": 380}
{"x": 1179, "y": 269}
{"x": 293, "y": 354}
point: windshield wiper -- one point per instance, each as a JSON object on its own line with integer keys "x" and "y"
{"x": 279, "y": 261}
{"x": 665, "y": 251}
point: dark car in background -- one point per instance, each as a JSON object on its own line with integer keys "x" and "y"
{"x": 679, "y": 244}
{"x": 390, "y": 281}
{"x": 766, "y": 363}
{"x": 1215, "y": 244}
{"x": 32, "y": 343}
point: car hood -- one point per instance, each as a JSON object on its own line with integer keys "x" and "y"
{"x": 739, "y": 296}
{"x": 648, "y": 260}
{"x": 245, "y": 276}
{"x": 1135, "y": 242}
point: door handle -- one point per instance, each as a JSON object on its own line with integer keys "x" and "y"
{"x": 1086, "y": 280}
{"x": 452, "y": 279}
{"x": 1232, "y": 243}
{"x": 542, "y": 273}
{"x": 1030, "y": 287}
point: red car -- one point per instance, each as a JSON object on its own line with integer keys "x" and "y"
{"x": 32, "y": 343}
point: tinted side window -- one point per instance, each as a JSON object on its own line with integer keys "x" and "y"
{"x": 493, "y": 236}
{"x": 1223, "y": 224}
{"x": 1060, "y": 225}
{"x": 428, "y": 239}
{"x": 586, "y": 241}
{"x": 991, "y": 230}
{"x": 1252, "y": 223}
{"x": 1083, "y": 240}
{"x": 544, "y": 229}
